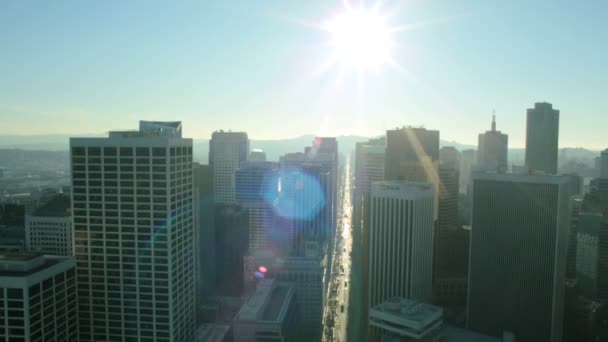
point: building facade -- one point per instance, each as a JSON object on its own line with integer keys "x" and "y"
{"x": 400, "y": 241}
{"x": 493, "y": 147}
{"x": 132, "y": 204}
{"x": 542, "y": 135}
{"x": 519, "y": 241}
{"x": 48, "y": 229}
{"x": 227, "y": 150}
{"x": 38, "y": 298}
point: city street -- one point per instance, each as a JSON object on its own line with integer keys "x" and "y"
{"x": 336, "y": 315}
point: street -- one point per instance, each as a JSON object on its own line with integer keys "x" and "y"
{"x": 336, "y": 313}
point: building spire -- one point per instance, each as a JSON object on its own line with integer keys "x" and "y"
{"x": 493, "y": 120}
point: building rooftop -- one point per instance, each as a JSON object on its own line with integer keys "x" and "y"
{"x": 410, "y": 311}
{"x": 535, "y": 177}
{"x": 58, "y": 206}
{"x": 269, "y": 302}
{"x": 405, "y": 318}
{"x": 403, "y": 189}
{"x": 23, "y": 264}
{"x": 211, "y": 332}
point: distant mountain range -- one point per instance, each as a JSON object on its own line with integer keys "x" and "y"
{"x": 274, "y": 148}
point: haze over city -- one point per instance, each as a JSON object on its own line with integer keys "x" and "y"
{"x": 74, "y": 68}
{"x": 303, "y": 171}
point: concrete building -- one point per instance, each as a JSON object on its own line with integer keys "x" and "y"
{"x": 270, "y": 314}
{"x": 604, "y": 164}
{"x": 306, "y": 274}
{"x": 401, "y": 320}
{"x": 468, "y": 162}
{"x": 48, "y": 229}
{"x": 306, "y": 197}
{"x": 227, "y": 150}
{"x": 257, "y": 155}
{"x": 134, "y": 238}
{"x": 589, "y": 226}
{"x": 519, "y": 241}
{"x": 542, "y": 137}
{"x": 412, "y": 154}
{"x": 232, "y": 241}
{"x": 257, "y": 189}
{"x": 204, "y": 227}
{"x": 38, "y": 298}
{"x": 401, "y": 241}
{"x": 493, "y": 147}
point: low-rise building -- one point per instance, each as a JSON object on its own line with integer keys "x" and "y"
{"x": 268, "y": 315}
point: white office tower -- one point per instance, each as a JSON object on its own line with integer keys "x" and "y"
{"x": 133, "y": 234}
{"x": 48, "y": 229}
{"x": 227, "y": 150}
{"x": 519, "y": 241}
{"x": 38, "y": 298}
{"x": 604, "y": 164}
{"x": 401, "y": 241}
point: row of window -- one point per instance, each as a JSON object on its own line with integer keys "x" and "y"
{"x": 131, "y": 151}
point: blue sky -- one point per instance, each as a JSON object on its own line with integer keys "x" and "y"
{"x": 91, "y": 66}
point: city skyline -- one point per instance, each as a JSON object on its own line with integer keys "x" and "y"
{"x": 239, "y": 67}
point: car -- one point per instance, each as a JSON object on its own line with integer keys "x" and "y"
{"x": 342, "y": 308}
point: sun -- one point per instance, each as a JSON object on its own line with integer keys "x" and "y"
{"x": 359, "y": 39}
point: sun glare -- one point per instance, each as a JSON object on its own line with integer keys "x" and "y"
{"x": 360, "y": 39}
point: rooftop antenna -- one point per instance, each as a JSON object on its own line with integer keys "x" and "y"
{"x": 493, "y": 120}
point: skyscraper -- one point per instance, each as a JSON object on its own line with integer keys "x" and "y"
{"x": 204, "y": 227}
{"x": 519, "y": 240}
{"x": 468, "y": 162}
{"x": 604, "y": 164}
{"x": 542, "y": 135}
{"x": 227, "y": 150}
{"x": 257, "y": 184}
{"x": 412, "y": 154}
{"x": 451, "y": 241}
{"x": 134, "y": 235}
{"x": 401, "y": 241}
{"x": 48, "y": 229}
{"x": 493, "y": 149}
{"x": 38, "y": 298}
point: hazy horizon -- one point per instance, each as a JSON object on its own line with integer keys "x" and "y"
{"x": 261, "y": 67}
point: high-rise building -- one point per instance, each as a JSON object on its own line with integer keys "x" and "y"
{"x": 588, "y": 227}
{"x": 493, "y": 149}
{"x": 519, "y": 240}
{"x": 401, "y": 241}
{"x": 38, "y": 298}
{"x": 132, "y": 204}
{"x": 369, "y": 168}
{"x": 204, "y": 227}
{"x": 604, "y": 164}
{"x": 232, "y": 240}
{"x": 451, "y": 241}
{"x": 227, "y": 150}
{"x": 468, "y": 162}
{"x": 542, "y": 135}
{"x": 48, "y": 229}
{"x": 306, "y": 196}
{"x": 412, "y": 154}
{"x": 257, "y": 189}
{"x": 447, "y": 218}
